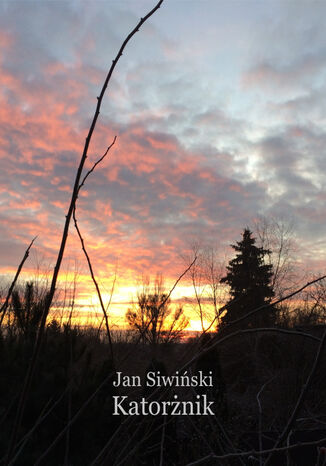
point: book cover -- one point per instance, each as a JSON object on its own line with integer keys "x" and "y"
{"x": 162, "y": 218}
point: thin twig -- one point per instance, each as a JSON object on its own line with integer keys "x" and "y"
{"x": 253, "y": 453}
{"x": 96, "y": 163}
{"x": 95, "y": 283}
{"x": 13, "y": 283}
{"x": 215, "y": 419}
{"x": 104, "y": 311}
{"x": 301, "y": 397}
{"x": 37, "y": 424}
{"x": 176, "y": 283}
{"x": 108, "y": 305}
{"x": 73, "y": 419}
{"x": 69, "y": 400}
{"x": 212, "y": 428}
{"x": 143, "y": 440}
{"x": 200, "y": 433}
{"x": 162, "y": 443}
{"x": 260, "y": 430}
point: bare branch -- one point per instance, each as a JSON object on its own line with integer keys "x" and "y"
{"x": 96, "y": 163}
{"x": 39, "y": 421}
{"x": 13, "y": 283}
{"x": 95, "y": 283}
{"x": 73, "y": 419}
{"x": 162, "y": 444}
{"x": 177, "y": 281}
{"x": 109, "y": 303}
{"x": 254, "y": 453}
{"x": 131, "y": 451}
{"x": 260, "y": 430}
{"x": 301, "y": 397}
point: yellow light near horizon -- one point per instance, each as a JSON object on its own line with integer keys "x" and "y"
{"x": 128, "y": 294}
{"x": 195, "y": 325}
{"x": 183, "y": 292}
{"x": 87, "y": 305}
{"x": 124, "y": 294}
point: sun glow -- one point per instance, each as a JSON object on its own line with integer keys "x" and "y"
{"x": 196, "y": 326}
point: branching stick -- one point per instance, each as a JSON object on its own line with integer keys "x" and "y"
{"x": 74, "y": 196}
{"x": 4, "y": 307}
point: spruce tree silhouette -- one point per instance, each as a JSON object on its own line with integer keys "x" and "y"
{"x": 250, "y": 280}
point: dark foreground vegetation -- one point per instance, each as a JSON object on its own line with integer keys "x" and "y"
{"x": 253, "y": 389}
{"x": 68, "y": 419}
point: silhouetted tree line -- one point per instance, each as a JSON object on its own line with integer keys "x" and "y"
{"x": 259, "y": 363}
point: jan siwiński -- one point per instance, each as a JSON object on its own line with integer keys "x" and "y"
{"x": 156, "y": 379}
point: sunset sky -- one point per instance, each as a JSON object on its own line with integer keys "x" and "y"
{"x": 219, "y": 108}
